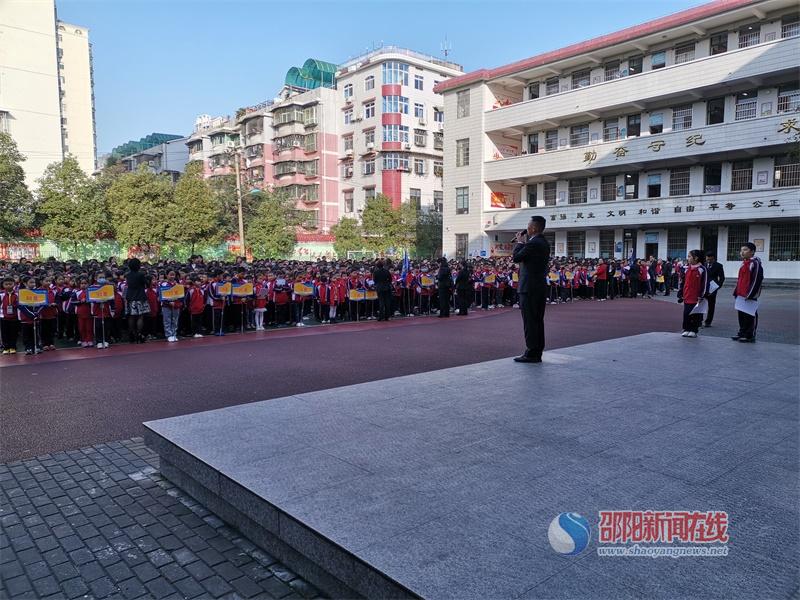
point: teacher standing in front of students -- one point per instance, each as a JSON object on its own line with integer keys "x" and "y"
{"x": 532, "y": 252}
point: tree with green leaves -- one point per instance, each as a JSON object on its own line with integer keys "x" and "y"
{"x": 193, "y": 216}
{"x": 139, "y": 205}
{"x": 429, "y": 234}
{"x": 223, "y": 190}
{"x": 271, "y": 232}
{"x": 349, "y": 237}
{"x": 386, "y": 227}
{"x": 71, "y": 205}
{"x": 16, "y": 201}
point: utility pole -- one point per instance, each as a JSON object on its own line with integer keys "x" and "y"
{"x": 234, "y": 151}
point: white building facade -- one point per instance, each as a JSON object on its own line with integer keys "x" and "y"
{"x": 46, "y": 86}
{"x": 676, "y": 134}
{"x": 391, "y": 139}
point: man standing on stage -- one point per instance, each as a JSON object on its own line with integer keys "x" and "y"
{"x": 532, "y": 252}
{"x": 716, "y": 274}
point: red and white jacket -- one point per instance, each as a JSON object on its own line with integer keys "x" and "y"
{"x": 8, "y": 305}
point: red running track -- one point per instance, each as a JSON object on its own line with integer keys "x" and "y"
{"x": 73, "y": 398}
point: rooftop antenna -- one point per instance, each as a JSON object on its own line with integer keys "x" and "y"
{"x": 447, "y": 47}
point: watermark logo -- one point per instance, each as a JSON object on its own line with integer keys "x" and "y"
{"x": 569, "y": 533}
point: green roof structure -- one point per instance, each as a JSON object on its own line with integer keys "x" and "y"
{"x": 313, "y": 74}
{"x": 132, "y": 147}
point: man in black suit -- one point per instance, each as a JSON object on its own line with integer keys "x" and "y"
{"x": 532, "y": 252}
{"x": 383, "y": 285}
{"x": 444, "y": 280}
{"x": 716, "y": 274}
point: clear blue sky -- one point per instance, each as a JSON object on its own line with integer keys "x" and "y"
{"x": 160, "y": 63}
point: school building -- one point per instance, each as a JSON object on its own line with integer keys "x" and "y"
{"x": 675, "y": 134}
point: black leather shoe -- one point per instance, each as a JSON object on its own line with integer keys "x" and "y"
{"x": 746, "y": 340}
{"x": 736, "y": 338}
{"x": 527, "y": 359}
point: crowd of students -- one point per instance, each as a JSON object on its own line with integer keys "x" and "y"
{"x": 216, "y": 298}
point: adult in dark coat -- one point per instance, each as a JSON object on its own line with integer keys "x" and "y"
{"x": 464, "y": 288}
{"x": 383, "y": 286}
{"x": 532, "y": 252}
{"x": 716, "y": 273}
{"x": 444, "y": 280}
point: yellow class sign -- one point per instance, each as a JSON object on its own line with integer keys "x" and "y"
{"x": 28, "y": 297}
{"x": 100, "y": 293}
{"x": 515, "y": 276}
{"x": 490, "y": 278}
{"x": 553, "y": 276}
{"x": 224, "y": 289}
{"x": 659, "y": 279}
{"x": 302, "y": 289}
{"x": 356, "y": 295}
{"x": 242, "y": 290}
{"x": 172, "y": 294}
{"x": 426, "y": 281}
{"x": 372, "y": 295}
{"x": 569, "y": 275}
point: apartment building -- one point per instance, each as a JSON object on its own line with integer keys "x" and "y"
{"x": 392, "y": 121}
{"x": 167, "y": 158}
{"x": 46, "y": 96}
{"x": 675, "y": 134}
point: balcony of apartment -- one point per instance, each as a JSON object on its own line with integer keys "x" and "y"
{"x": 745, "y": 138}
{"x": 719, "y": 74}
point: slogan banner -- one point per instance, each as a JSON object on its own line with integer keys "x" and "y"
{"x": 241, "y": 290}
{"x": 223, "y": 289}
{"x": 171, "y": 294}
{"x": 100, "y": 293}
{"x": 35, "y": 297}
{"x": 356, "y": 295}
{"x": 303, "y": 289}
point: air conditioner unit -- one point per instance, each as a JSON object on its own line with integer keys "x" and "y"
{"x": 441, "y": 126}
{"x": 407, "y": 146}
{"x": 370, "y": 145}
{"x": 296, "y": 144}
{"x": 348, "y": 172}
{"x": 422, "y": 122}
{"x": 230, "y": 144}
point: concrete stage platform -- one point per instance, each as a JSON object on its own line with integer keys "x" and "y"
{"x": 443, "y": 485}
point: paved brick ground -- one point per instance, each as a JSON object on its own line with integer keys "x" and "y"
{"x": 101, "y": 522}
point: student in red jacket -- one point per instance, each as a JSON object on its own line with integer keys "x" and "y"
{"x": 748, "y": 287}
{"x": 693, "y": 289}
{"x": 196, "y": 303}
{"x": 102, "y": 315}
{"x": 49, "y": 315}
{"x": 80, "y": 300}
{"x": 9, "y": 322}
{"x": 601, "y": 280}
{"x": 30, "y": 321}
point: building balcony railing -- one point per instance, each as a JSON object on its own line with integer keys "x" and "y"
{"x": 717, "y": 72}
{"x": 670, "y": 146}
{"x": 790, "y": 29}
{"x": 789, "y": 102}
{"x": 746, "y": 110}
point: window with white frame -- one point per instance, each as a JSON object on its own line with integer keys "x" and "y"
{"x": 742, "y": 175}
{"x": 369, "y": 109}
{"x": 608, "y": 188}
{"x": 438, "y": 200}
{"x": 420, "y": 138}
{"x": 551, "y": 86}
{"x": 462, "y": 104}
{"x": 656, "y": 123}
{"x": 654, "y": 185}
{"x": 348, "y": 201}
{"x": 462, "y": 200}
{"x": 438, "y": 140}
{"x": 610, "y": 130}
{"x": 578, "y": 190}
{"x": 579, "y": 135}
{"x": 419, "y": 166}
{"x": 789, "y": 98}
{"x": 682, "y": 117}
{"x": 658, "y": 60}
{"x": 746, "y": 105}
{"x": 310, "y": 142}
{"x": 418, "y": 82}
{"x": 348, "y": 91}
{"x": 395, "y": 72}
{"x": 550, "y": 193}
{"x": 369, "y": 83}
{"x": 790, "y": 25}
{"x": 348, "y": 143}
{"x": 462, "y": 152}
{"x": 679, "y": 182}
{"x": 787, "y": 171}
{"x": 395, "y": 161}
{"x": 719, "y": 43}
{"x": 395, "y": 133}
{"x": 369, "y": 137}
{"x": 438, "y": 168}
{"x": 750, "y": 35}
{"x": 395, "y": 104}
{"x": 533, "y": 90}
{"x": 438, "y": 115}
{"x": 348, "y": 116}
{"x": 684, "y": 52}
{"x": 419, "y": 110}
{"x": 551, "y": 139}
{"x": 581, "y": 78}
{"x": 369, "y": 193}
{"x": 368, "y": 167}
{"x": 415, "y": 197}
{"x": 611, "y": 71}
